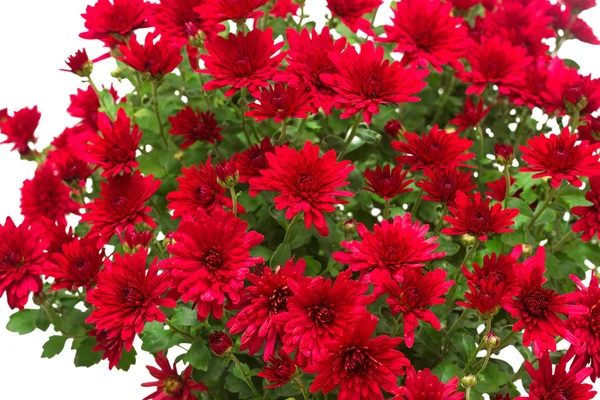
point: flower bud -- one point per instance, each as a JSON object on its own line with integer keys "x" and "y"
{"x": 468, "y": 240}
{"x": 179, "y": 155}
{"x": 227, "y": 173}
{"x": 504, "y": 154}
{"x": 393, "y": 128}
{"x": 220, "y": 343}
{"x": 79, "y": 64}
{"x": 169, "y": 239}
{"x": 527, "y": 250}
{"x": 468, "y": 381}
{"x": 132, "y": 241}
{"x": 350, "y": 226}
{"x": 197, "y": 39}
{"x": 491, "y": 341}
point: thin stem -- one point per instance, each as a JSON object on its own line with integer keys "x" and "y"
{"x": 302, "y": 387}
{"x": 574, "y": 123}
{"x": 469, "y": 254}
{"x": 100, "y": 98}
{"x": 241, "y": 109}
{"x": 218, "y": 151}
{"x": 468, "y": 393}
{"x": 396, "y": 326}
{"x": 283, "y": 134}
{"x": 566, "y": 238}
{"x": 246, "y": 377}
{"x": 453, "y": 328}
{"x": 445, "y": 96}
{"x": 287, "y": 237}
{"x": 438, "y": 226}
{"x": 157, "y": 112}
{"x": 386, "y": 210}
{"x": 485, "y": 362}
{"x": 522, "y": 125}
{"x": 481, "y": 144}
{"x": 415, "y": 207}
{"x": 182, "y": 333}
{"x": 350, "y": 136}
{"x": 507, "y": 195}
{"x": 81, "y": 195}
{"x": 545, "y": 205}
{"x": 233, "y": 200}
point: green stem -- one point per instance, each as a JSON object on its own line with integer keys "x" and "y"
{"x": 481, "y": 144}
{"x": 283, "y": 134}
{"x": 507, "y": 195}
{"x": 453, "y": 328}
{"x": 545, "y": 205}
{"x": 469, "y": 254}
{"x": 182, "y": 333}
{"x": 574, "y": 123}
{"x": 350, "y": 136}
{"x": 468, "y": 394}
{"x": 386, "y": 210}
{"x": 233, "y": 200}
{"x": 566, "y": 238}
{"x": 302, "y": 387}
{"x": 415, "y": 207}
{"x": 157, "y": 112}
{"x": 522, "y": 125}
{"x": 100, "y": 98}
{"x": 288, "y": 230}
{"x": 505, "y": 342}
{"x": 396, "y": 326}
{"x": 218, "y": 151}
{"x": 445, "y": 96}
{"x": 246, "y": 377}
{"x": 301, "y": 129}
{"x": 438, "y": 226}
{"x": 485, "y": 362}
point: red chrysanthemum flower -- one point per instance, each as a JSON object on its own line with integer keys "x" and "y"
{"x": 561, "y": 157}
{"x": 220, "y": 343}
{"x": 471, "y": 115}
{"x": 306, "y": 182}
{"x": 589, "y": 129}
{"x": 77, "y": 265}
{"x": 113, "y": 22}
{"x": 386, "y": 182}
{"x": 360, "y": 366}
{"x": 366, "y": 81}
{"x": 56, "y": 234}
{"x": 121, "y": 203}
{"x": 568, "y": 91}
{"x": 267, "y": 298}
{"x": 283, "y": 8}
{"x": 242, "y": 61}
{"x": 308, "y": 58}
{"x": 536, "y": 308}
{"x": 110, "y": 344}
{"x": 19, "y": 129}
{"x": 582, "y": 31}
{"x": 85, "y": 105}
{"x": 466, "y": 4}
{"x": 21, "y": 261}
{"x": 533, "y": 87}
{"x": 389, "y": 249}
{"x": 215, "y": 11}
{"x": 319, "y": 312}
{"x": 548, "y": 384}
{"x": 280, "y": 103}
{"x": 579, "y": 5}
{"x": 393, "y": 128}
{"x": 495, "y": 62}
{"x": 254, "y": 160}
{"x": 227, "y": 173}
{"x": 589, "y": 221}
{"x": 69, "y": 167}
{"x": 153, "y": 60}
{"x": 351, "y": 12}
{"x": 170, "y": 384}
{"x": 195, "y": 126}
{"x": 414, "y": 296}
{"x": 211, "y": 258}
{"x": 424, "y": 385}
{"x": 279, "y": 371}
{"x": 498, "y": 188}
{"x": 131, "y": 240}
{"x": 475, "y": 217}
{"x": 127, "y": 296}
{"x": 46, "y": 196}
{"x": 79, "y": 64}
{"x": 440, "y": 184}
{"x": 433, "y": 149}
{"x": 426, "y": 33}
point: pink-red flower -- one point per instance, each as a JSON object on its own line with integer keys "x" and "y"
{"x": 474, "y": 216}
{"x": 153, "y": 60}
{"x": 280, "y": 103}
{"x": 589, "y": 216}
{"x": 215, "y": 11}
{"x": 279, "y": 371}
{"x": 76, "y": 265}
{"x": 366, "y": 81}
{"x": 360, "y": 366}
{"x": 19, "y": 129}
{"x": 424, "y": 385}
{"x": 351, "y": 12}
{"x": 471, "y": 115}
{"x": 254, "y": 160}
{"x": 211, "y": 258}
{"x": 306, "y": 182}
{"x": 242, "y": 61}
{"x": 170, "y": 384}
{"x": 561, "y": 157}
{"x": 195, "y": 126}
{"x": 440, "y": 184}
{"x": 21, "y": 261}
{"x": 386, "y": 182}
{"x": 114, "y": 21}
{"x": 79, "y": 64}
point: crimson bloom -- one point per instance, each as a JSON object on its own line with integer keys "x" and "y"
{"x": 70, "y": 168}
{"x": 127, "y": 296}
{"x": 414, "y": 296}
{"x": 582, "y": 31}
{"x": 278, "y": 371}
{"x": 424, "y": 385}
{"x": 215, "y": 11}
{"x": 111, "y": 345}
{"x": 283, "y": 8}
{"x": 19, "y": 129}
{"x": 211, "y": 258}
{"x": 254, "y": 160}
{"x": 362, "y": 367}
{"x": 306, "y": 182}
{"x": 440, "y": 184}
{"x": 433, "y": 149}
{"x": 170, "y": 384}
{"x": 21, "y": 261}
{"x": 131, "y": 240}
{"x": 589, "y": 129}
{"x": 579, "y": 5}
{"x": 537, "y": 308}
{"x": 219, "y": 343}
{"x": 85, "y": 105}
{"x": 79, "y": 64}
{"x": 386, "y": 182}
{"x": 76, "y": 265}
{"x": 280, "y": 103}
{"x": 567, "y": 91}
{"x": 589, "y": 221}
{"x": 319, "y": 312}
{"x": 267, "y": 298}
{"x": 471, "y": 115}
{"x": 195, "y": 126}
{"x": 113, "y": 22}
{"x": 393, "y": 128}
{"x": 475, "y": 217}
{"x": 426, "y": 33}
{"x": 153, "y": 60}
{"x": 561, "y": 157}
{"x": 498, "y": 188}
{"x": 351, "y": 13}
{"x": 121, "y": 203}
{"x": 242, "y": 61}
{"x": 366, "y": 81}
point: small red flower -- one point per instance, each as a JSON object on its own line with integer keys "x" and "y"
{"x": 56, "y": 234}
{"x": 424, "y": 385}
{"x": 366, "y": 81}
{"x": 19, "y": 129}
{"x": 306, "y": 182}
{"x": 79, "y": 64}
{"x": 589, "y": 129}
{"x": 69, "y": 167}
{"x": 279, "y": 371}
{"x": 351, "y": 13}
{"x": 131, "y": 240}
{"x": 85, "y": 105}
{"x": 568, "y": 91}
{"x": 170, "y": 384}
{"x": 414, "y": 296}
{"x": 121, "y": 203}
{"x": 471, "y": 115}
{"x": 283, "y": 8}
{"x": 153, "y": 60}
{"x": 360, "y": 366}
{"x": 242, "y": 61}
{"x": 440, "y": 184}
{"x": 386, "y": 182}
{"x": 433, "y": 149}
{"x": 113, "y": 22}
{"x": 77, "y": 265}
{"x": 582, "y": 31}
{"x": 110, "y": 344}
{"x": 21, "y": 261}
{"x": 393, "y": 128}
{"x": 215, "y": 11}
{"x": 211, "y": 258}
{"x": 254, "y": 160}
{"x": 195, "y": 126}
{"x": 475, "y": 217}
{"x": 280, "y": 103}
{"x": 504, "y": 153}
{"x": 498, "y": 188}
{"x": 227, "y": 173}
{"x": 561, "y": 157}
{"x": 589, "y": 221}
{"x": 219, "y": 343}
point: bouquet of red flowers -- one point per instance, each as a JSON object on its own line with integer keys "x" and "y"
{"x": 359, "y": 211}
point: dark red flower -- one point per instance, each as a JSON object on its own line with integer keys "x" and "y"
{"x": 471, "y": 115}
{"x": 113, "y": 22}
{"x": 589, "y": 129}
{"x": 414, "y": 296}
{"x": 386, "y": 182}
{"x": 561, "y": 157}
{"x": 533, "y": 87}
{"x": 504, "y": 153}
{"x": 475, "y": 217}
{"x": 215, "y": 11}
{"x": 582, "y": 31}
{"x": 121, "y": 203}
{"x": 536, "y": 308}
{"x": 127, "y": 296}
{"x": 440, "y": 184}
{"x": 351, "y": 12}
{"x": 21, "y": 261}
{"x": 393, "y": 128}
{"x": 242, "y": 61}
{"x": 211, "y": 258}
{"x": 195, "y": 126}
{"x": 283, "y": 8}
{"x": 56, "y": 234}
{"x": 589, "y": 221}
{"x": 85, "y": 105}
{"x": 131, "y": 240}
{"x": 498, "y": 188}
{"x": 366, "y": 81}
{"x": 280, "y": 103}
{"x": 267, "y": 298}
{"x": 426, "y": 33}
{"x": 227, "y": 173}
{"x": 306, "y": 182}
{"x": 579, "y": 5}
{"x": 110, "y": 344}
{"x": 69, "y": 167}
{"x": 77, "y": 265}
{"x": 466, "y": 4}
{"x": 170, "y": 384}
{"x": 153, "y": 60}
{"x": 424, "y": 385}
{"x": 219, "y": 343}
{"x": 319, "y": 312}
{"x": 391, "y": 248}
{"x": 567, "y": 91}
{"x": 19, "y": 129}
{"x": 79, "y": 64}
{"x": 278, "y": 371}
{"x": 433, "y": 149}
{"x": 360, "y": 366}
{"x": 254, "y": 160}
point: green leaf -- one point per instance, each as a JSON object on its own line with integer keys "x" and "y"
{"x": 85, "y": 356}
{"x": 54, "y": 346}
{"x": 108, "y": 104}
{"x": 184, "y": 316}
{"x": 281, "y": 255}
{"x": 155, "y": 337}
{"x": 22, "y": 322}
{"x": 198, "y": 355}
{"x": 334, "y": 143}
{"x": 447, "y": 370}
{"x": 42, "y": 322}
{"x": 313, "y": 267}
{"x": 235, "y": 385}
{"x": 449, "y": 248}
{"x": 369, "y": 136}
{"x": 127, "y": 360}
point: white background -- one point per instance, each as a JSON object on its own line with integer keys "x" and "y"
{"x": 35, "y": 38}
